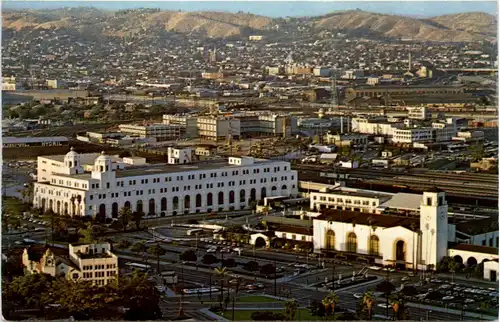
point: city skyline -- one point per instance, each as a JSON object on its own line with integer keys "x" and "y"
{"x": 278, "y": 8}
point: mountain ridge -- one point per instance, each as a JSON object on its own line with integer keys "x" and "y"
{"x": 462, "y": 27}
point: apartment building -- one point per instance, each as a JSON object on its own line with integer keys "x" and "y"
{"x": 375, "y": 126}
{"x": 161, "y": 132}
{"x": 218, "y": 127}
{"x": 168, "y": 189}
{"x": 419, "y": 113}
{"x": 88, "y": 262}
{"x": 266, "y": 124}
{"x": 187, "y": 121}
{"x": 413, "y": 135}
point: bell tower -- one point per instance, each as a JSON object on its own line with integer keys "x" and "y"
{"x": 434, "y": 226}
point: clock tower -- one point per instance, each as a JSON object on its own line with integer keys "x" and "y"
{"x": 434, "y": 226}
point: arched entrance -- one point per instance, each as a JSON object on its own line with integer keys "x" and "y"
{"x": 274, "y": 191}
{"x": 352, "y": 243}
{"x": 175, "y": 203}
{"x": 138, "y": 207}
{"x": 58, "y": 209}
{"x": 253, "y": 194}
{"x": 374, "y": 245}
{"x": 330, "y": 240}
{"x": 242, "y": 195}
{"x": 400, "y": 254}
{"x": 152, "y": 207}
{"x": 231, "y": 196}
{"x": 221, "y": 198}
{"x": 102, "y": 211}
{"x": 163, "y": 204}
{"x": 43, "y": 204}
{"x": 210, "y": 199}
{"x": 263, "y": 193}
{"x": 198, "y": 201}
{"x": 187, "y": 202}
{"x": 51, "y": 204}
{"x": 458, "y": 259}
{"x": 260, "y": 242}
{"x": 114, "y": 210}
{"x": 66, "y": 208}
{"x": 127, "y": 204}
{"x": 471, "y": 261}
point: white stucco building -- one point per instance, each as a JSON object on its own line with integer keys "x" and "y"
{"x": 391, "y": 240}
{"x": 169, "y": 189}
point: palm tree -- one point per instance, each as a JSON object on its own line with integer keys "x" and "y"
{"x": 368, "y": 302}
{"x": 125, "y": 215}
{"x": 291, "y": 307}
{"x": 453, "y": 267}
{"x": 158, "y": 251}
{"x": 221, "y": 272}
{"x": 329, "y": 302}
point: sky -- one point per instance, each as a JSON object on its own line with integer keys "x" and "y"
{"x": 277, "y": 8}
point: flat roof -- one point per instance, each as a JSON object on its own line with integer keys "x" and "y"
{"x": 362, "y": 193}
{"x": 476, "y": 249}
{"x": 29, "y": 139}
{"x": 173, "y": 168}
{"x": 85, "y": 158}
{"x": 362, "y": 218}
{"x": 406, "y": 201}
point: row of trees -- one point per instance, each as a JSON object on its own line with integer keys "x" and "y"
{"x": 131, "y": 297}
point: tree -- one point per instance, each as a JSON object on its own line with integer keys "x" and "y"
{"x": 368, "y": 303}
{"x": 158, "y": 251}
{"x": 291, "y": 307}
{"x": 209, "y": 259}
{"x": 124, "y": 243}
{"x": 139, "y": 247}
{"x": 92, "y": 233}
{"x": 251, "y": 266}
{"x": 125, "y": 216}
{"x": 137, "y": 217}
{"x": 317, "y": 309}
{"x": 221, "y": 272}
{"x": 27, "y": 291}
{"x": 329, "y": 302}
{"x": 267, "y": 269}
{"x": 188, "y": 256}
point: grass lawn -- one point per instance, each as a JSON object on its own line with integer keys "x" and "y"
{"x": 256, "y": 299}
{"x": 245, "y": 315}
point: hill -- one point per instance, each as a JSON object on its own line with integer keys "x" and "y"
{"x": 463, "y": 27}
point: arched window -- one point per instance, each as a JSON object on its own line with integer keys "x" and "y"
{"x": 330, "y": 240}
{"x": 352, "y": 243}
{"x": 374, "y": 245}
{"x": 187, "y": 202}
{"x": 198, "y": 200}
{"x": 210, "y": 199}
{"x": 127, "y": 205}
{"x": 114, "y": 210}
{"x": 283, "y": 187}
{"x": 253, "y": 194}
{"x": 163, "y": 204}
{"x": 231, "y": 196}
{"x": 274, "y": 188}
{"x": 152, "y": 207}
{"x": 138, "y": 206}
{"x": 242, "y": 195}
{"x": 263, "y": 193}
{"x": 221, "y": 198}
{"x": 175, "y": 202}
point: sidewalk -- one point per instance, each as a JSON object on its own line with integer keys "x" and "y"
{"x": 452, "y": 311}
{"x": 463, "y": 279}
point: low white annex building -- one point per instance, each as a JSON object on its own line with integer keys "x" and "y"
{"x": 69, "y": 186}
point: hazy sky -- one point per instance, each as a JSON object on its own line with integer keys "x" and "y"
{"x": 276, "y": 8}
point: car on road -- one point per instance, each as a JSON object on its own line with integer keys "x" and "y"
{"x": 260, "y": 285}
{"x": 358, "y": 295}
{"x": 384, "y": 305}
{"x": 251, "y": 287}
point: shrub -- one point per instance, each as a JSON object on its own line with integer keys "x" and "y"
{"x": 267, "y": 316}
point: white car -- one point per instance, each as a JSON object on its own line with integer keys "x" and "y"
{"x": 358, "y": 295}
{"x": 384, "y": 305}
